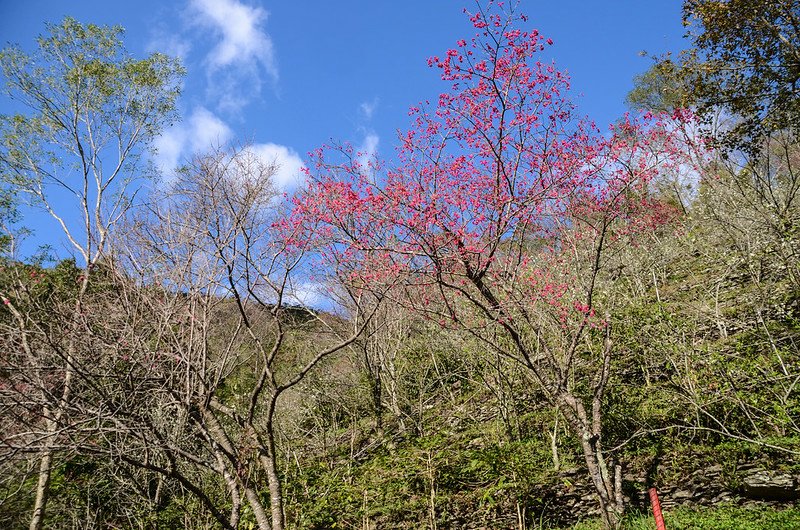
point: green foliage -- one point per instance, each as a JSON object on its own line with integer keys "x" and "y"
{"x": 16, "y": 497}
{"x": 744, "y": 63}
{"x": 744, "y": 60}
{"x": 394, "y": 488}
{"x": 82, "y": 82}
{"x": 9, "y": 216}
{"x": 659, "y": 89}
{"x": 90, "y": 113}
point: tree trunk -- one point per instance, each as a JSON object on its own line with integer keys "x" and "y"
{"x": 258, "y": 510}
{"x": 373, "y": 367}
{"x": 218, "y": 434}
{"x": 46, "y": 463}
{"x": 270, "y": 465}
{"x": 607, "y": 486}
{"x": 233, "y": 489}
{"x": 42, "y": 487}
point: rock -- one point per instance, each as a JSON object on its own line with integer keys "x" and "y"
{"x": 768, "y": 485}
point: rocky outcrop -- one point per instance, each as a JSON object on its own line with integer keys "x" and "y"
{"x": 769, "y": 485}
{"x": 749, "y": 485}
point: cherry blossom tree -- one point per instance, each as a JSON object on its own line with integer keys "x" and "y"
{"x": 505, "y": 216}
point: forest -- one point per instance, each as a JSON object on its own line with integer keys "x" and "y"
{"x": 528, "y": 320}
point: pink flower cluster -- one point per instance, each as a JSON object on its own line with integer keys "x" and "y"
{"x": 498, "y": 175}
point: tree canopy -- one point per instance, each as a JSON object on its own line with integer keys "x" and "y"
{"x": 744, "y": 62}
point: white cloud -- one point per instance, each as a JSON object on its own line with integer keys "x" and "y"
{"x": 289, "y": 165}
{"x": 309, "y": 294}
{"x": 368, "y": 108}
{"x": 230, "y": 40}
{"x": 367, "y": 151}
{"x": 201, "y": 131}
{"x": 242, "y": 37}
{"x": 206, "y": 130}
{"x": 168, "y": 43}
{"x": 241, "y": 51}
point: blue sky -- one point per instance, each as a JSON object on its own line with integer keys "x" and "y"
{"x": 288, "y": 76}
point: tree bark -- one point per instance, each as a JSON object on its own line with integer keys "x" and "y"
{"x": 607, "y": 486}
{"x": 270, "y": 465}
{"x": 42, "y": 488}
{"x": 218, "y": 434}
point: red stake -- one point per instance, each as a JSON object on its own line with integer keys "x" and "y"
{"x": 656, "y": 509}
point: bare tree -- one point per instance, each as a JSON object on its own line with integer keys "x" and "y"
{"x": 225, "y": 256}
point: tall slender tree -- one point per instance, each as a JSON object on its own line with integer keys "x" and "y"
{"x": 91, "y": 111}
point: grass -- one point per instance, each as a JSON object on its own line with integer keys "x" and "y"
{"x": 718, "y": 518}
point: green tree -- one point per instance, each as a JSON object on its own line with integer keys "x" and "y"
{"x": 659, "y": 89}
{"x": 744, "y": 61}
{"x": 92, "y": 111}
